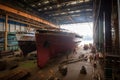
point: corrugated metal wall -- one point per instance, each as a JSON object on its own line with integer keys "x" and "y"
{"x": 12, "y": 26}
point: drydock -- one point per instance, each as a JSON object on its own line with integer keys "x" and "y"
{"x": 20, "y": 67}
{"x": 35, "y": 43}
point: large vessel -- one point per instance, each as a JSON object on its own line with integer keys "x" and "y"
{"x": 52, "y": 42}
{"x": 26, "y": 41}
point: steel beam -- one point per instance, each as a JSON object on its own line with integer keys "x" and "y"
{"x": 64, "y": 10}
{"x": 20, "y": 13}
{"x": 6, "y": 32}
{"x": 119, "y": 21}
{"x": 79, "y": 5}
{"x": 108, "y": 36}
{"x": 83, "y": 13}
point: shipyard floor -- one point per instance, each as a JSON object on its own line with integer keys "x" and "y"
{"x": 73, "y": 62}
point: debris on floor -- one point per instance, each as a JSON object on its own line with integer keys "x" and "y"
{"x": 15, "y": 75}
{"x": 63, "y": 69}
{"x": 58, "y": 68}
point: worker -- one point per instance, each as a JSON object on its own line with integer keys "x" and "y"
{"x": 95, "y": 64}
{"x": 83, "y": 70}
{"x": 74, "y": 51}
{"x": 90, "y": 58}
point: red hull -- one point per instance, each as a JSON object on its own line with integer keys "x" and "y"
{"x": 50, "y": 44}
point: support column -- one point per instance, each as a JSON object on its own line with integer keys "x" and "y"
{"x": 97, "y": 35}
{"x": 101, "y": 36}
{"x": 118, "y": 1}
{"x": 115, "y": 27}
{"x": 6, "y": 32}
{"x": 108, "y": 36}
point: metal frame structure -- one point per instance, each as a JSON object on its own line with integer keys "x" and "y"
{"x": 56, "y": 11}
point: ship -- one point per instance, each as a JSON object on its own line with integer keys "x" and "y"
{"x": 26, "y": 42}
{"x": 49, "y": 43}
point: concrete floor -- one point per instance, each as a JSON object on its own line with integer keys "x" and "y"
{"x": 74, "y": 71}
{"x": 73, "y": 68}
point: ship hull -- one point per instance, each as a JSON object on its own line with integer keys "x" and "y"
{"x": 27, "y": 46}
{"x": 26, "y": 41}
{"x": 49, "y": 45}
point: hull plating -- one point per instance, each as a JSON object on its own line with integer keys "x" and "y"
{"x": 27, "y": 46}
{"x": 49, "y": 45}
{"x": 26, "y": 41}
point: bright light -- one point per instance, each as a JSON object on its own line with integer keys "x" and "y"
{"x": 85, "y": 29}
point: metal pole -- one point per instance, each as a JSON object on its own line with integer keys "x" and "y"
{"x": 119, "y": 22}
{"x": 6, "y": 32}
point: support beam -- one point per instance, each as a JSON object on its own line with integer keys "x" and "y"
{"x": 78, "y": 5}
{"x": 25, "y": 22}
{"x": 115, "y": 27}
{"x": 6, "y": 32}
{"x": 73, "y": 8}
{"x": 101, "y": 33}
{"x": 20, "y": 13}
{"x": 108, "y": 36}
{"x": 119, "y": 21}
{"x": 83, "y": 13}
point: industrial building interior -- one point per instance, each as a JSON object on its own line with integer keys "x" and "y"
{"x": 33, "y": 46}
